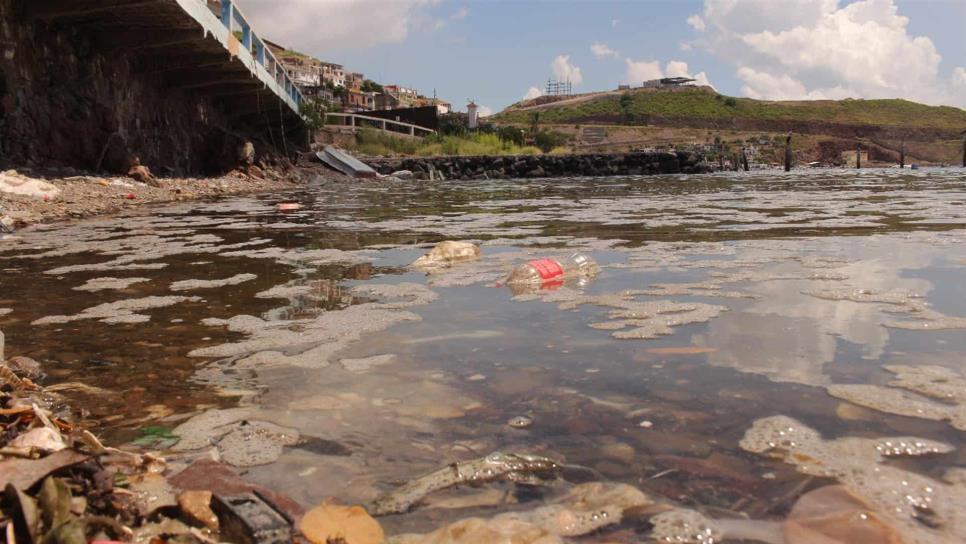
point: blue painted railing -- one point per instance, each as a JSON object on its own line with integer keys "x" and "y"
{"x": 230, "y": 16}
{"x": 250, "y": 50}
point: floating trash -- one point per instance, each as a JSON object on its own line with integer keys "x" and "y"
{"x": 520, "y": 422}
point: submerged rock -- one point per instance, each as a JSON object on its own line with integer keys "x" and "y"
{"x": 240, "y": 442}
{"x": 917, "y": 386}
{"x": 580, "y": 511}
{"x": 922, "y": 509}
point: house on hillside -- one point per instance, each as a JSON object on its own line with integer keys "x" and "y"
{"x": 333, "y": 74}
{"x": 395, "y": 97}
{"x": 360, "y": 101}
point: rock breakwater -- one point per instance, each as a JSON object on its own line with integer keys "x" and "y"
{"x": 541, "y": 166}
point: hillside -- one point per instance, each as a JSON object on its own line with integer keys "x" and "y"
{"x": 827, "y": 129}
{"x": 701, "y": 106}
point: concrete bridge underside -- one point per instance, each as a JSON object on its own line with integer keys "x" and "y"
{"x": 170, "y": 40}
{"x": 181, "y": 47}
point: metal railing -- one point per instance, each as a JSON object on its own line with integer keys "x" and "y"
{"x": 248, "y": 47}
{"x": 378, "y": 122}
{"x": 254, "y": 45}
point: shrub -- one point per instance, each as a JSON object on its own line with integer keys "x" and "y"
{"x": 548, "y": 139}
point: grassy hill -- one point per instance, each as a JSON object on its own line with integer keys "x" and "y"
{"x": 703, "y": 106}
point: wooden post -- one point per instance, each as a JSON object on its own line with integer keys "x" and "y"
{"x": 788, "y": 153}
{"x": 744, "y": 159}
{"x": 902, "y": 153}
{"x": 964, "y": 149}
{"x": 858, "y": 155}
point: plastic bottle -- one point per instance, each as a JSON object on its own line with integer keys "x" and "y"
{"x": 553, "y": 270}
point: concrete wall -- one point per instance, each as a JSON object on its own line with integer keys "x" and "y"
{"x": 536, "y": 166}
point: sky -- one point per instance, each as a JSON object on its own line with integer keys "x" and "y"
{"x": 497, "y": 52}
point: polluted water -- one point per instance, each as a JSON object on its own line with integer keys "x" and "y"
{"x": 745, "y": 357}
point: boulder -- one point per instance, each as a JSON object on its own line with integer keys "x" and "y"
{"x": 404, "y": 175}
{"x": 139, "y": 172}
{"x": 246, "y": 155}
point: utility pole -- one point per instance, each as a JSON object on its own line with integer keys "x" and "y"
{"x": 858, "y": 155}
{"x": 902, "y": 153}
{"x": 744, "y": 158}
{"x": 964, "y": 149}
{"x": 788, "y": 153}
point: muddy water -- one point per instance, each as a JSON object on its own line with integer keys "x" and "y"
{"x": 832, "y": 298}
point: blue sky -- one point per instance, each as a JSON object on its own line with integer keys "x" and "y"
{"x": 495, "y": 50}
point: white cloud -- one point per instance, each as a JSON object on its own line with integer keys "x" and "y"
{"x": 602, "y": 51}
{"x": 315, "y": 26}
{"x": 460, "y": 14}
{"x": 959, "y": 77}
{"x": 701, "y": 78}
{"x": 485, "y": 111}
{"x": 697, "y": 22}
{"x": 564, "y": 71}
{"x": 801, "y": 49}
{"x": 640, "y": 71}
{"x": 614, "y": 23}
{"x": 533, "y": 92}
{"x": 676, "y": 68}
{"x": 762, "y": 85}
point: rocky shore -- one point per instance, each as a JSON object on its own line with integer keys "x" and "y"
{"x": 29, "y": 196}
{"x": 539, "y": 166}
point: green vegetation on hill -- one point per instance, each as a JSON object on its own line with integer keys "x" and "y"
{"x": 702, "y": 103}
{"x": 375, "y": 143}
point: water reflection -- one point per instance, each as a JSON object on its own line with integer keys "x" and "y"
{"x": 398, "y": 373}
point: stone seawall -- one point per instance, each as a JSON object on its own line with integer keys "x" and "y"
{"x": 539, "y": 166}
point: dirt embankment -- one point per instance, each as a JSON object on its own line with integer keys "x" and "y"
{"x": 836, "y": 130}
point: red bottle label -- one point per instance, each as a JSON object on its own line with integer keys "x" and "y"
{"x": 547, "y": 268}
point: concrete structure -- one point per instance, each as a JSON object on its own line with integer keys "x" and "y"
{"x": 667, "y": 82}
{"x": 355, "y": 121}
{"x": 172, "y": 82}
{"x": 360, "y": 100}
{"x": 334, "y": 74}
{"x": 472, "y": 110}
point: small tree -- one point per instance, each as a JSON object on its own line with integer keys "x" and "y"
{"x": 626, "y": 102}
{"x": 370, "y": 86}
{"x": 313, "y": 111}
{"x": 513, "y": 135}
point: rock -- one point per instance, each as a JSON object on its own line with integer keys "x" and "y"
{"x": 24, "y": 367}
{"x": 139, "y": 172}
{"x": 7, "y": 224}
{"x": 208, "y": 475}
{"x": 404, "y": 175}
{"x": 329, "y": 523}
{"x": 447, "y": 253}
{"x": 246, "y": 155}
{"x": 196, "y": 507}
